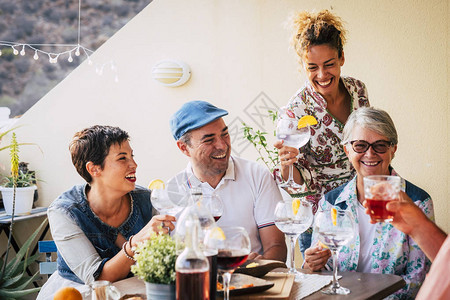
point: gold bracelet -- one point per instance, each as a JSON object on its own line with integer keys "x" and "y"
{"x": 125, "y": 251}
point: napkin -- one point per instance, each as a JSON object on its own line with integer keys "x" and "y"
{"x": 310, "y": 284}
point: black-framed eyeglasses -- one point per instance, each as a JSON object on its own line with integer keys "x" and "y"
{"x": 361, "y": 146}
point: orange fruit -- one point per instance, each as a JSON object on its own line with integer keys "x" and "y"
{"x": 306, "y": 120}
{"x": 68, "y": 293}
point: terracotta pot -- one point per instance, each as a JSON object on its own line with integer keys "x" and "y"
{"x": 24, "y": 199}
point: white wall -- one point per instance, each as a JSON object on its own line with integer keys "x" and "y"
{"x": 239, "y": 55}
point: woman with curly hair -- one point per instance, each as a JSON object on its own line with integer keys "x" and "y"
{"x": 319, "y": 39}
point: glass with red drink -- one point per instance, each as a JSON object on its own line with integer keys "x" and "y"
{"x": 233, "y": 245}
{"x": 379, "y": 190}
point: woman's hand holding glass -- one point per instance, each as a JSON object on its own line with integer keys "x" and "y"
{"x": 159, "y": 224}
{"x": 293, "y": 218}
{"x": 293, "y": 139}
{"x": 335, "y": 228}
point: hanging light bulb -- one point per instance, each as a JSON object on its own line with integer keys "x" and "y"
{"x": 70, "y": 59}
{"x": 77, "y": 52}
{"x": 35, "y": 56}
{"x": 22, "y": 52}
{"x": 0, "y": 52}
{"x": 89, "y": 61}
{"x": 51, "y": 59}
{"x": 15, "y": 52}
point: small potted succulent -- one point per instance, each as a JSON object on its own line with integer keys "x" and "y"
{"x": 155, "y": 264}
{"x": 18, "y": 188}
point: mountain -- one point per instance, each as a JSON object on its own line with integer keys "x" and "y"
{"x": 23, "y": 80}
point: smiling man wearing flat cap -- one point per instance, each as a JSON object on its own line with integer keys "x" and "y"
{"x": 247, "y": 189}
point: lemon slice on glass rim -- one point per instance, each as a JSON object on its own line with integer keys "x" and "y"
{"x": 156, "y": 184}
{"x": 306, "y": 120}
{"x": 334, "y": 216}
{"x": 295, "y": 205}
{"x": 217, "y": 234}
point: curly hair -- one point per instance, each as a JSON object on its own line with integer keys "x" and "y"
{"x": 93, "y": 144}
{"x": 320, "y": 28}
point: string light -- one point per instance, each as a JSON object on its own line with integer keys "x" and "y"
{"x": 76, "y": 49}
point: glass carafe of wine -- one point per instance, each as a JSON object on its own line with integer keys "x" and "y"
{"x": 191, "y": 266}
{"x": 206, "y": 221}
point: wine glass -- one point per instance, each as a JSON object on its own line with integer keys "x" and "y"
{"x": 168, "y": 202}
{"x": 335, "y": 228}
{"x": 293, "y": 218}
{"x": 214, "y": 204}
{"x": 288, "y": 131}
{"x": 233, "y": 250}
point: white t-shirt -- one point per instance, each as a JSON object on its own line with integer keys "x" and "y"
{"x": 366, "y": 237}
{"x": 249, "y": 195}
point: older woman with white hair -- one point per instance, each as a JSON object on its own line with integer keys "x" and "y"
{"x": 370, "y": 142}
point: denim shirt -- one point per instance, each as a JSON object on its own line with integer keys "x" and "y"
{"x": 393, "y": 252}
{"x": 102, "y": 236}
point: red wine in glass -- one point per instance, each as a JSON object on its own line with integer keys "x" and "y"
{"x": 216, "y": 218}
{"x": 229, "y": 260}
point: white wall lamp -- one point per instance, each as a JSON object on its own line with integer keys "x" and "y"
{"x": 171, "y": 72}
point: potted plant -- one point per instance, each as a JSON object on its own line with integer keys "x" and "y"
{"x": 23, "y": 190}
{"x": 19, "y": 186}
{"x": 13, "y": 277}
{"x": 155, "y": 264}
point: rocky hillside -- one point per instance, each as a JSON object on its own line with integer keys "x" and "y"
{"x": 23, "y": 80}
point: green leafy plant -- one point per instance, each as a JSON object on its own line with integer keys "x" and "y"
{"x": 24, "y": 179}
{"x": 155, "y": 260}
{"x": 13, "y": 277}
{"x": 3, "y": 134}
{"x": 267, "y": 154}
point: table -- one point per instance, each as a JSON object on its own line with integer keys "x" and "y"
{"x": 5, "y": 222}
{"x": 362, "y": 286}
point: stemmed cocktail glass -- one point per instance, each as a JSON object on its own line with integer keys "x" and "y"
{"x": 335, "y": 228}
{"x": 233, "y": 250}
{"x": 214, "y": 204}
{"x": 288, "y": 131}
{"x": 293, "y": 218}
{"x": 170, "y": 200}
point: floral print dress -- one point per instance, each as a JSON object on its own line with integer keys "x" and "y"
{"x": 322, "y": 162}
{"x": 392, "y": 251}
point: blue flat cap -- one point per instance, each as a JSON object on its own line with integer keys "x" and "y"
{"x": 193, "y": 115}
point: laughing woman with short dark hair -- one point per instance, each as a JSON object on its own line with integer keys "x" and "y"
{"x": 96, "y": 225}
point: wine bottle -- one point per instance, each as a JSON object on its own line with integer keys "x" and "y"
{"x": 192, "y": 266}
